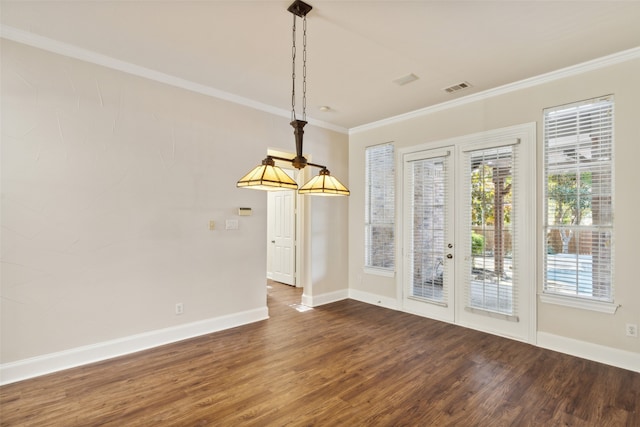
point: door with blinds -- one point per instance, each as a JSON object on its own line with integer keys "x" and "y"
{"x": 469, "y": 232}
{"x": 429, "y": 234}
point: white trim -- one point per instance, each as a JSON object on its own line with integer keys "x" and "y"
{"x": 481, "y": 139}
{"x": 595, "y": 64}
{"x": 385, "y": 272}
{"x": 582, "y": 303}
{"x": 379, "y": 300}
{"x": 301, "y": 223}
{"x": 53, "y": 362}
{"x": 72, "y": 51}
{"x": 595, "y": 352}
{"x": 322, "y": 299}
{"x": 590, "y": 351}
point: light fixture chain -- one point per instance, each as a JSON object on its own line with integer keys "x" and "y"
{"x": 293, "y": 72}
{"x": 304, "y": 68}
{"x": 268, "y": 176}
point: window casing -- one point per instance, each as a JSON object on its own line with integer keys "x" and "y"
{"x": 380, "y": 207}
{"x": 578, "y": 195}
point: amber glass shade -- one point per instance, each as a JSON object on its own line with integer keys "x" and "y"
{"x": 267, "y": 176}
{"x": 324, "y": 185}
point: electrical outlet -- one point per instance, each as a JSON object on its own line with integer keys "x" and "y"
{"x": 632, "y": 330}
{"x": 179, "y": 308}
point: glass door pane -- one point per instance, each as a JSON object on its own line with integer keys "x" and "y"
{"x": 428, "y": 243}
{"x": 490, "y": 217}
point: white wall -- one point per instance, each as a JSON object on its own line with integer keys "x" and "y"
{"x": 594, "y": 330}
{"x": 109, "y": 182}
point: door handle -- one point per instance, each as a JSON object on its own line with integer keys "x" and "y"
{"x": 273, "y": 241}
{"x": 449, "y": 256}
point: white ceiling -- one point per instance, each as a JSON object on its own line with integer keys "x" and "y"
{"x": 355, "y": 48}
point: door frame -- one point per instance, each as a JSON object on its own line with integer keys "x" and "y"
{"x": 273, "y": 214}
{"x": 526, "y": 133}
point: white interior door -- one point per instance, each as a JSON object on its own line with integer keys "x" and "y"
{"x": 469, "y": 232}
{"x": 282, "y": 236}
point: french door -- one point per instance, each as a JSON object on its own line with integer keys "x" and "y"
{"x": 469, "y": 232}
{"x": 429, "y": 233}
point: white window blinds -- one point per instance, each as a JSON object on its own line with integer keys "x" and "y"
{"x": 578, "y": 193}
{"x": 429, "y": 200}
{"x": 379, "y": 207}
{"x": 491, "y": 259}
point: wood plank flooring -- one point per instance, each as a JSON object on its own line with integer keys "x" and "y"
{"x": 342, "y": 364}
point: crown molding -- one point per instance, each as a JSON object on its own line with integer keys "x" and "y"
{"x": 595, "y": 64}
{"x": 72, "y": 51}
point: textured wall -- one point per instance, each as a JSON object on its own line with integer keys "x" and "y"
{"x": 109, "y": 182}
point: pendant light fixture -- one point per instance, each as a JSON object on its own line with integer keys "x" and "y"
{"x": 268, "y": 176}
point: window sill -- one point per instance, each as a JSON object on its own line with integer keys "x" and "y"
{"x": 582, "y": 303}
{"x": 379, "y": 272}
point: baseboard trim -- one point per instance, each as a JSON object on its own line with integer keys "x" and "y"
{"x": 322, "y": 299}
{"x": 595, "y": 352}
{"x": 369, "y": 298}
{"x": 54, "y": 362}
{"x": 590, "y": 351}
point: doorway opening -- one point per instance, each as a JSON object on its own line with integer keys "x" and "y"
{"x": 285, "y": 213}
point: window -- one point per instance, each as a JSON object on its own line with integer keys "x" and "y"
{"x": 379, "y": 207}
{"x": 578, "y": 192}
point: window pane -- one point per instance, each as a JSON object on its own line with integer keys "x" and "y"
{"x": 428, "y": 196}
{"x": 578, "y": 194}
{"x": 579, "y": 270}
{"x": 491, "y": 267}
{"x": 379, "y": 240}
{"x": 379, "y": 207}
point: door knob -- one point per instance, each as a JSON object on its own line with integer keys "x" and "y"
{"x": 449, "y": 256}
{"x": 273, "y": 241}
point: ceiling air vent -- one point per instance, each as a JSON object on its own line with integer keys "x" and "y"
{"x": 401, "y": 81}
{"x": 457, "y": 87}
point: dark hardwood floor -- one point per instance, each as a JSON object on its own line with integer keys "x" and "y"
{"x": 342, "y": 364}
